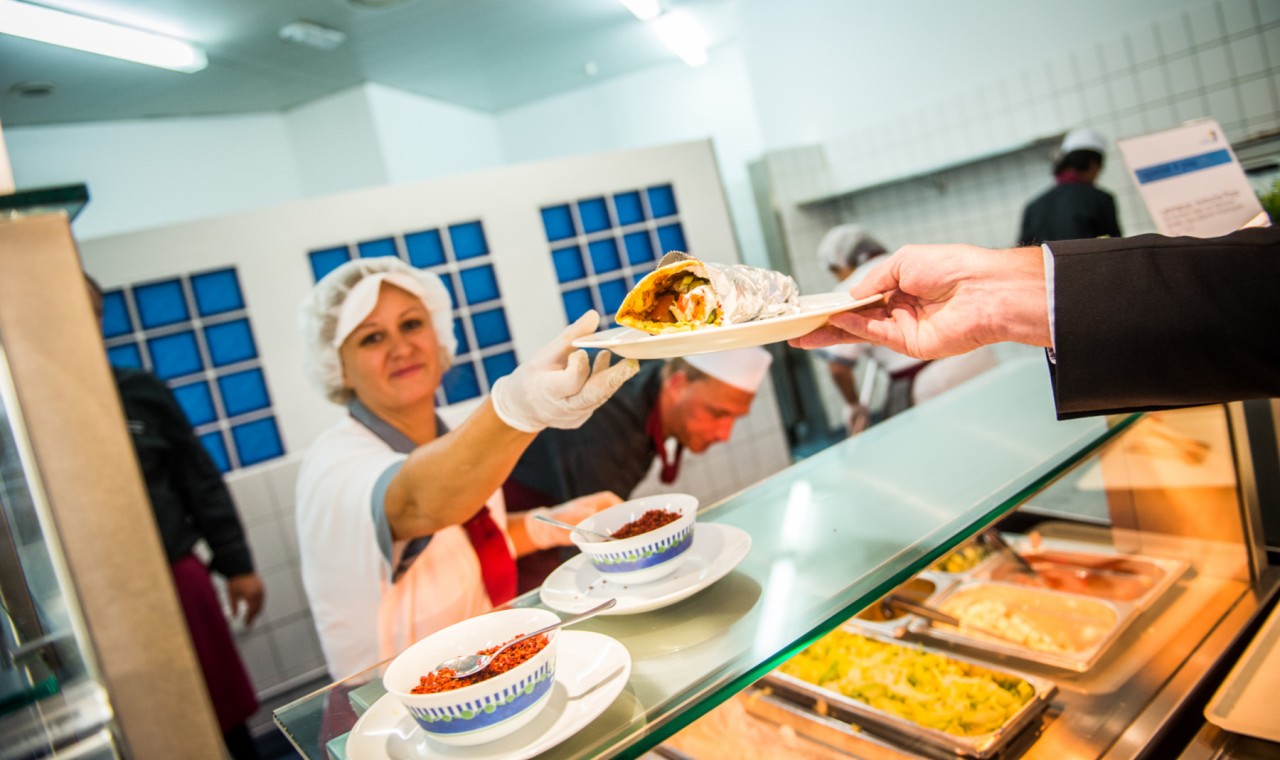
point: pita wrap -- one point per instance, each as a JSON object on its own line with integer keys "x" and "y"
{"x": 684, "y": 293}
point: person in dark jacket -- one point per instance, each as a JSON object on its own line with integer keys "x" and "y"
{"x": 1122, "y": 317}
{"x": 191, "y": 503}
{"x": 669, "y": 406}
{"x": 1074, "y": 208}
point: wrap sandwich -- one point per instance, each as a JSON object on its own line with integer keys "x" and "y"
{"x": 684, "y": 293}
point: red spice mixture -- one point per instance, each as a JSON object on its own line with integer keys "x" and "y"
{"x": 443, "y": 680}
{"x": 651, "y": 520}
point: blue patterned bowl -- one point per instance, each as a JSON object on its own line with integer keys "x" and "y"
{"x": 645, "y": 558}
{"x": 490, "y": 709}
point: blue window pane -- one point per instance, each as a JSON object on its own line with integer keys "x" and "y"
{"x": 639, "y": 247}
{"x": 671, "y": 238}
{"x": 460, "y": 383}
{"x": 611, "y": 295}
{"x": 324, "y": 262}
{"x": 604, "y": 255}
{"x": 499, "y": 366}
{"x": 558, "y": 222}
{"x": 447, "y": 279}
{"x": 217, "y": 292}
{"x": 628, "y": 207}
{"x": 662, "y": 201}
{"x": 490, "y": 328}
{"x": 243, "y": 392}
{"x": 161, "y": 303}
{"x": 257, "y": 441}
{"x": 230, "y": 342}
{"x": 217, "y": 449}
{"x": 576, "y": 303}
{"x": 569, "y": 264}
{"x": 425, "y": 248}
{"x": 461, "y": 334}
{"x": 468, "y": 240}
{"x": 594, "y": 214}
{"x": 127, "y": 355}
{"x": 479, "y": 284}
{"x": 115, "y": 315}
{"x": 175, "y": 355}
{"x": 372, "y": 249}
{"x": 197, "y": 401}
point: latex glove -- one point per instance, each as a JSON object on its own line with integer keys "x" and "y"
{"x": 573, "y": 512}
{"x": 557, "y": 387}
{"x": 246, "y": 591}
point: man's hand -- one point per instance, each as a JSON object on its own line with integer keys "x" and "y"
{"x": 943, "y": 300}
{"x": 246, "y": 591}
{"x": 573, "y": 512}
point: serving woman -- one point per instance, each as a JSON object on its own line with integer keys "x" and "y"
{"x": 401, "y": 525}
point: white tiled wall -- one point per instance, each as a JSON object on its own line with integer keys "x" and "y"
{"x": 1219, "y": 60}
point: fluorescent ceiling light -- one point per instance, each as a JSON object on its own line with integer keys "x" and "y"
{"x": 682, "y": 33}
{"x": 92, "y": 36}
{"x": 643, "y": 9}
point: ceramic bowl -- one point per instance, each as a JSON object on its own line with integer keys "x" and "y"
{"x": 484, "y": 711}
{"x": 647, "y": 557}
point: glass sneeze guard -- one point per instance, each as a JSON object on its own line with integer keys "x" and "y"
{"x": 830, "y": 535}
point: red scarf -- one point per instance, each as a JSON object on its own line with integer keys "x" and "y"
{"x": 497, "y": 566}
{"x": 653, "y": 426}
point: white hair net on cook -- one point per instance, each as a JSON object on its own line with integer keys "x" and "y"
{"x": 344, "y": 297}
{"x": 848, "y": 245}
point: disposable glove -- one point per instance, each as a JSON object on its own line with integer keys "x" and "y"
{"x": 558, "y": 387}
{"x": 573, "y": 512}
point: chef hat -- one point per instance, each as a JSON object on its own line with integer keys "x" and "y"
{"x": 339, "y": 303}
{"x": 1083, "y": 138}
{"x": 743, "y": 368}
{"x": 848, "y": 245}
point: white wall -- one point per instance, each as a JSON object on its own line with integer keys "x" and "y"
{"x": 422, "y": 138}
{"x": 825, "y": 67}
{"x": 150, "y": 173}
{"x": 659, "y": 105}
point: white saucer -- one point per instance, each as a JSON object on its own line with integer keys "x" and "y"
{"x": 576, "y": 586}
{"x": 591, "y": 671}
{"x": 637, "y": 344}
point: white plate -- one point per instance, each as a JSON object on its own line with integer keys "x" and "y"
{"x": 637, "y": 344}
{"x": 591, "y": 671}
{"x": 576, "y": 586}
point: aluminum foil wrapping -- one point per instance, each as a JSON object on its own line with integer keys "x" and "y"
{"x": 747, "y": 293}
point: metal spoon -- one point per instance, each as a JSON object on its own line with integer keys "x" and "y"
{"x": 567, "y": 526}
{"x": 469, "y": 664}
{"x": 994, "y": 538}
{"x": 893, "y": 601}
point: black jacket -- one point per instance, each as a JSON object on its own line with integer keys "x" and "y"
{"x": 1069, "y": 211}
{"x": 188, "y": 496}
{"x": 1151, "y": 322}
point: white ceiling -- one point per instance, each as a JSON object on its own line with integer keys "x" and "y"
{"x": 488, "y": 55}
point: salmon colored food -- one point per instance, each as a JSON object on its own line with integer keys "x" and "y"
{"x": 443, "y": 680}
{"x": 651, "y": 520}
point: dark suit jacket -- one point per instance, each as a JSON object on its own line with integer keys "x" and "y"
{"x": 1151, "y": 322}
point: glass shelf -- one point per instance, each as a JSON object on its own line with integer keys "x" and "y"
{"x": 830, "y": 535}
{"x": 68, "y": 198}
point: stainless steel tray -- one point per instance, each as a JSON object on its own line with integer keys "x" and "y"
{"x": 834, "y": 704}
{"x": 921, "y": 589}
{"x": 1154, "y": 575}
{"x": 1093, "y": 624}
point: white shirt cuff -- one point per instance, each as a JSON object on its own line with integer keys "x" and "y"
{"x": 1048, "y": 289}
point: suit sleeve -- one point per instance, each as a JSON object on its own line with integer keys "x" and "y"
{"x": 204, "y": 494}
{"x": 1150, "y": 322}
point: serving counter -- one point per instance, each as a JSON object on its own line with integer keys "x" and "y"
{"x": 834, "y": 533}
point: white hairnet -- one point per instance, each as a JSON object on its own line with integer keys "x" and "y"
{"x": 322, "y": 314}
{"x": 847, "y": 245}
{"x": 1083, "y": 138}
